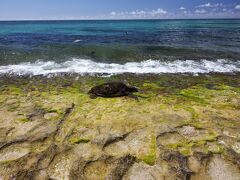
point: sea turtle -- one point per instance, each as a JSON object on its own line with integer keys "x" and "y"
{"x": 113, "y": 89}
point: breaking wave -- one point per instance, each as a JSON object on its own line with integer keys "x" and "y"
{"x": 86, "y": 66}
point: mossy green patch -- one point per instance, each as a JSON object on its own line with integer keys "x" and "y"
{"x": 151, "y": 86}
{"x": 226, "y": 87}
{"x": 196, "y": 94}
{"x": 150, "y": 158}
{"x": 219, "y": 149}
{"x": 185, "y": 145}
{"x": 194, "y": 123}
{"x": 58, "y": 111}
{"x": 2, "y": 99}
{"x": 212, "y": 136}
{"x": 14, "y": 90}
{"x": 141, "y": 95}
{"x": 24, "y": 120}
{"x": 192, "y": 111}
{"x": 186, "y": 151}
{"x": 13, "y": 107}
{"x": 76, "y": 140}
{"x": 6, "y": 162}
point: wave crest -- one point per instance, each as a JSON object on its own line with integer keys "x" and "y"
{"x": 85, "y": 66}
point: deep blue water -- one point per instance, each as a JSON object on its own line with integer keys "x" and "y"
{"x": 119, "y": 41}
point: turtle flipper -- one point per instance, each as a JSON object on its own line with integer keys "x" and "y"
{"x": 133, "y": 96}
{"x": 93, "y": 96}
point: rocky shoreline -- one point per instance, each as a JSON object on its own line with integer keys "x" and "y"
{"x": 182, "y": 127}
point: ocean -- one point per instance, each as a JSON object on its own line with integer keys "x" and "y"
{"x": 120, "y": 46}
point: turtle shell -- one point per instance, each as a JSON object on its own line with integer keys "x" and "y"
{"x": 113, "y": 89}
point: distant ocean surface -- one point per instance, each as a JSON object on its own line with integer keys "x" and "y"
{"x": 120, "y": 46}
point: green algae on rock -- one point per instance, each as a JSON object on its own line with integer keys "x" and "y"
{"x": 50, "y": 126}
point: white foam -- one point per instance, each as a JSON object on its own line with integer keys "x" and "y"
{"x": 83, "y": 66}
{"x": 77, "y": 40}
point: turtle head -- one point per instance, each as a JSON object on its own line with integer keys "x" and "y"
{"x": 90, "y": 91}
{"x": 133, "y": 89}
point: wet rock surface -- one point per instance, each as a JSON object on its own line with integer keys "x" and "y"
{"x": 179, "y": 129}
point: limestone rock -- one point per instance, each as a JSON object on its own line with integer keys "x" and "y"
{"x": 220, "y": 169}
{"x": 141, "y": 171}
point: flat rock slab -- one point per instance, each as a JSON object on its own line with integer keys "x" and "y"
{"x": 220, "y": 169}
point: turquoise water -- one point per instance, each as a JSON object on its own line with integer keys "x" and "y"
{"x": 119, "y": 42}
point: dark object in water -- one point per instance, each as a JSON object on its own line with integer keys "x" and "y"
{"x": 113, "y": 89}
